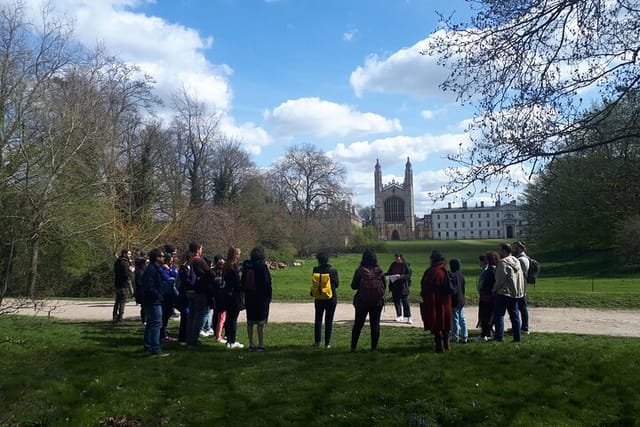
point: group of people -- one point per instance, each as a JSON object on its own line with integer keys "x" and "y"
{"x": 501, "y": 286}
{"x": 210, "y": 294}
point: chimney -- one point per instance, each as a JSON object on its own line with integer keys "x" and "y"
{"x": 482, "y": 204}
{"x": 449, "y": 205}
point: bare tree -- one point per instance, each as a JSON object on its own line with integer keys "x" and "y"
{"x": 230, "y": 167}
{"x": 196, "y": 132}
{"x": 532, "y": 69}
{"x": 307, "y": 183}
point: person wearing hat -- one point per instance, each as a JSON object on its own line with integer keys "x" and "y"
{"x": 399, "y": 274}
{"x": 436, "y": 304}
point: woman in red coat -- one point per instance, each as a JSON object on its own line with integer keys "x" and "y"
{"x": 436, "y": 306}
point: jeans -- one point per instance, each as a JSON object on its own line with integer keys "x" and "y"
{"x": 122, "y": 294}
{"x": 502, "y": 303}
{"x": 326, "y": 309}
{"x": 207, "y": 321}
{"x": 153, "y": 313}
{"x": 401, "y": 302}
{"x": 374, "y": 322}
{"x": 524, "y": 313}
{"x": 198, "y": 308}
{"x": 459, "y": 325}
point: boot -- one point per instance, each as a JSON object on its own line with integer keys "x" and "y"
{"x": 438, "y": 343}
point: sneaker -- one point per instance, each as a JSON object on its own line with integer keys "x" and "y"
{"x": 399, "y": 319}
{"x": 204, "y": 334}
{"x": 168, "y": 338}
{"x": 261, "y": 349}
{"x": 159, "y": 354}
{"x": 409, "y": 320}
{"x": 235, "y": 345}
{"x": 221, "y": 340}
{"x": 327, "y": 346}
{"x": 525, "y": 331}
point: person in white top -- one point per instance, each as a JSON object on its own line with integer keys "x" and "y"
{"x": 507, "y": 289}
{"x": 518, "y": 249}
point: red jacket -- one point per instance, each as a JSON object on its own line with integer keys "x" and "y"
{"x": 436, "y": 306}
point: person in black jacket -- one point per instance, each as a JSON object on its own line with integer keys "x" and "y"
{"x": 123, "y": 273}
{"x": 399, "y": 275}
{"x": 326, "y": 307}
{"x": 152, "y": 300}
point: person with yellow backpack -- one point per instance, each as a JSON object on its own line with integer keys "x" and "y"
{"x": 324, "y": 282}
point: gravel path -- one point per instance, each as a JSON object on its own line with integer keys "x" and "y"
{"x": 562, "y": 320}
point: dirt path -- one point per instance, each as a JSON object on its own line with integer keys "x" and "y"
{"x": 562, "y": 320}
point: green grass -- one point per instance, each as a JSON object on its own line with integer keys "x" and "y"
{"x": 57, "y": 373}
{"x": 590, "y": 279}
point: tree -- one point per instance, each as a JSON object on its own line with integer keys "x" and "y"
{"x": 230, "y": 169}
{"x": 580, "y": 199}
{"x": 366, "y": 215}
{"x": 531, "y": 69}
{"x": 197, "y": 131}
{"x": 308, "y": 184}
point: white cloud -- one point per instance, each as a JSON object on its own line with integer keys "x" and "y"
{"x": 405, "y": 71}
{"x": 252, "y": 137}
{"x": 395, "y": 150}
{"x": 323, "y": 118}
{"x": 350, "y": 35}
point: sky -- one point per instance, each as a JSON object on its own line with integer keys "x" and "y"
{"x": 343, "y": 75}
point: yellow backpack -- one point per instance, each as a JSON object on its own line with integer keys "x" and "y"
{"x": 321, "y": 286}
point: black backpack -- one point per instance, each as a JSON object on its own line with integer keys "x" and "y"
{"x": 450, "y": 285}
{"x": 534, "y": 269}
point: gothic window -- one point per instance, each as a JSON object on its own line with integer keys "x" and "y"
{"x": 394, "y": 210}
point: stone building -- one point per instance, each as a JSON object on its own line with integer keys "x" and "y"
{"x": 393, "y": 214}
{"x": 478, "y": 222}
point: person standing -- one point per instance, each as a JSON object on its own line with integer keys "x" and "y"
{"x": 518, "y": 251}
{"x": 399, "y": 275}
{"x": 369, "y": 283}
{"x": 152, "y": 300}
{"x": 233, "y": 295}
{"x": 123, "y": 270}
{"x": 256, "y": 283}
{"x": 508, "y": 288}
{"x": 197, "y": 294}
{"x": 325, "y": 307}
{"x": 458, "y": 319}
{"x": 486, "y": 280}
{"x": 436, "y": 303}
{"x": 220, "y": 307}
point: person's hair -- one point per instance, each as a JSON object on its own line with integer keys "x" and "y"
{"x": 519, "y": 245}
{"x": 194, "y": 246}
{"x": 455, "y": 264}
{"x": 232, "y": 259}
{"x": 140, "y": 262}
{"x": 154, "y": 254}
{"x": 369, "y": 259}
{"x": 482, "y": 259}
{"x": 124, "y": 252}
{"x": 436, "y": 256}
{"x": 322, "y": 257}
{"x": 506, "y": 247}
{"x": 169, "y": 248}
{"x": 217, "y": 258}
{"x": 399, "y": 255}
{"x": 257, "y": 254}
{"x": 492, "y": 257}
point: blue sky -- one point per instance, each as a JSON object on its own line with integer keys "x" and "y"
{"x": 344, "y": 75}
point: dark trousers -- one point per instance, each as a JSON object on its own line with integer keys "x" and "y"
{"x": 374, "y": 322}
{"x": 231, "y": 324}
{"x": 198, "y": 308}
{"x": 167, "y": 312}
{"x": 122, "y": 294}
{"x": 485, "y": 317}
{"x": 401, "y": 302}
{"x": 501, "y": 304}
{"x": 184, "y": 321}
{"x": 326, "y": 309}
{"x": 524, "y": 313}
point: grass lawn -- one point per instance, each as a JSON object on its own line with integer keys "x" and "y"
{"x": 82, "y": 374}
{"x": 567, "y": 279}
